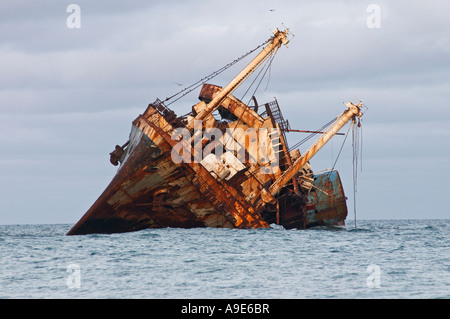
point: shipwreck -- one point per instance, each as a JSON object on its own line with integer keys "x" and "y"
{"x": 238, "y": 171}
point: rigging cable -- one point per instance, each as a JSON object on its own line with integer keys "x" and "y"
{"x": 200, "y": 82}
{"x": 312, "y": 134}
{"x": 342, "y": 146}
{"x": 197, "y": 84}
{"x": 339, "y": 153}
{"x": 205, "y": 79}
{"x": 266, "y": 66}
{"x": 357, "y": 152}
{"x": 268, "y": 62}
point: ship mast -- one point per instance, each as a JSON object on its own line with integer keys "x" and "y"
{"x": 352, "y": 112}
{"x": 279, "y": 37}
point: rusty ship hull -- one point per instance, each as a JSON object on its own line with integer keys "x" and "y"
{"x": 228, "y": 187}
{"x": 150, "y": 191}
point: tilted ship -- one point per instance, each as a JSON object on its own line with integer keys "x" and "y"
{"x": 235, "y": 172}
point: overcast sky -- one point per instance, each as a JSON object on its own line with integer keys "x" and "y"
{"x": 69, "y": 95}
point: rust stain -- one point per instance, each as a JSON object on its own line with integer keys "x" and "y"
{"x": 257, "y": 181}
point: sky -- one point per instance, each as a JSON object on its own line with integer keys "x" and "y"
{"x": 70, "y": 86}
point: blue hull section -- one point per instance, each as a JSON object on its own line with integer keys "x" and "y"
{"x": 326, "y": 203}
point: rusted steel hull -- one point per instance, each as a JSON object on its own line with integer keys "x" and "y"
{"x": 151, "y": 191}
{"x": 326, "y": 206}
{"x": 200, "y": 171}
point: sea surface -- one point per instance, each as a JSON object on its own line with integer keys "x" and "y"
{"x": 400, "y": 259}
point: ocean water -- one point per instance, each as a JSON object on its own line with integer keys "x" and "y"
{"x": 379, "y": 259}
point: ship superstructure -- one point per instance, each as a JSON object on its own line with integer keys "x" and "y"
{"x": 236, "y": 172}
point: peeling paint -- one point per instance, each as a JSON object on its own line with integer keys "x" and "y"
{"x": 255, "y": 182}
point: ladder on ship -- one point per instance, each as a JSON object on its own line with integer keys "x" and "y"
{"x": 274, "y": 111}
{"x": 278, "y": 136}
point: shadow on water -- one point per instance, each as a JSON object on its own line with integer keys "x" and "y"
{"x": 346, "y": 228}
{"x": 359, "y": 230}
{"x": 328, "y": 228}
